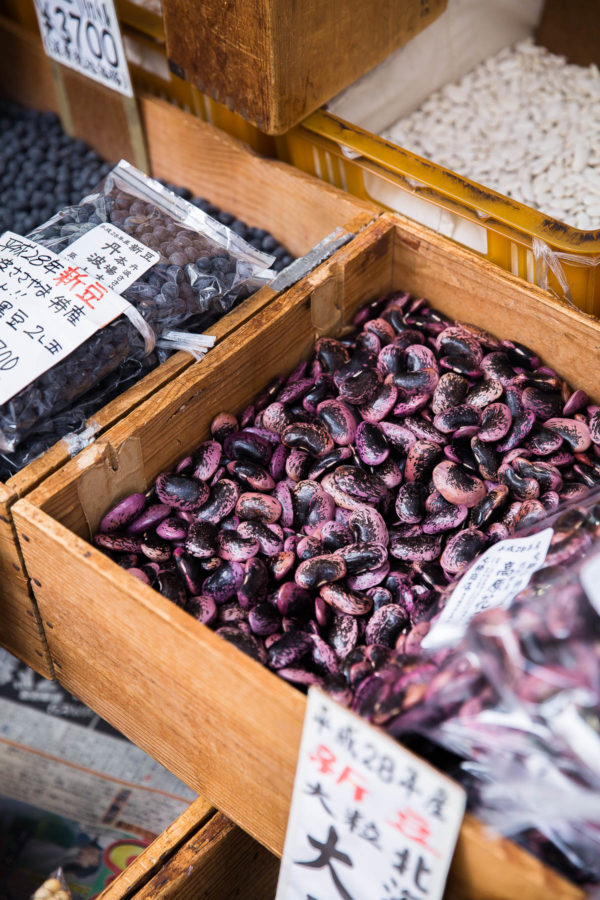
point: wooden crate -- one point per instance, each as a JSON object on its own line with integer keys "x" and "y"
{"x": 296, "y": 208}
{"x": 97, "y": 114}
{"x": 276, "y": 61}
{"x": 224, "y": 724}
{"x": 201, "y": 855}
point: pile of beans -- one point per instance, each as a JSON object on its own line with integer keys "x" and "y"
{"x": 317, "y": 531}
{"x": 523, "y": 123}
{"x": 42, "y": 169}
{"x": 541, "y": 658}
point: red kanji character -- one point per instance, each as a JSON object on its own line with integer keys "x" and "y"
{"x": 324, "y": 759}
{"x": 71, "y": 276}
{"x": 95, "y": 291}
{"x": 413, "y": 826}
{"x": 349, "y": 775}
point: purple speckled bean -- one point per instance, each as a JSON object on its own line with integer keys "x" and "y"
{"x": 346, "y": 601}
{"x": 149, "y": 518}
{"x": 172, "y": 529}
{"x": 372, "y": 577}
{"x": 123, "y": 513}
{"x": 371, "y": 444}
{"x": 204, "y": 609}
{"x": 319, "y": 570}
{"x": 289, "y": 649}
{"x": 282, "y": 564}
{"x": 456, "y": 485}
{"x": 118, "y": 543}
{"x": 381, "y": 404}
{"x": 206, "y": 459}
{"x": 573, "y": 431}
{"x": 339, "y": 420}
{"x": 225, "y": 582}
{"x": 182, "y": 492}
{"x": 254, "y": 505}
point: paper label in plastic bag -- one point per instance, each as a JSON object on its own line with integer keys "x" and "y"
{"x": 47, "y": 309}
{"x": 107, "y": 253}
{"x": 84, "y": 35}
{"x": 368, "y": 817}
{"x": 590, "y": 579}
{"x": 493, "y": 580}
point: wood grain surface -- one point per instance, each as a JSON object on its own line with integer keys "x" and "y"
{"x": 153, "y": 859}
{"x": 220, "y": 721}
{"x": 266, "y": 193}
{"x": 275, "y": 61}
{"x": 220, "y": 862}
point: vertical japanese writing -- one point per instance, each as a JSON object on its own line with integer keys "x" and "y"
{"x": 47, "y": 309}
{"x": 368, "y": 818}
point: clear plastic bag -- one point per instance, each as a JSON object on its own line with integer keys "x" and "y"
{"x": 203, "y": 271}
{"x": 534, "y": 551}
{"x": 518, "y": 701}
{"x": 54, "y": 888}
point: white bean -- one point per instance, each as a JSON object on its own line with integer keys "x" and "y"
{"x": 523, "y": 123}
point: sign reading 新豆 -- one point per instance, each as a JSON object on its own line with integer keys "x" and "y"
{"x": 84, "y": 35}
{"x": 368, "y": 818}
{"x": 47, "y": 309}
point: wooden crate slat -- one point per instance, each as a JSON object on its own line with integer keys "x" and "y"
{"x": 221, "y": 722}
{"x": 153, "y": 859}
{"x": 262, "y": 190}
{"x": 220, "y": 862}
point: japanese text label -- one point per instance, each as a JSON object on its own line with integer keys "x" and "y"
{"x": 493, "y": 581}
{"x": 107, "y": 253}
{"x": 84, "y": 35}
{"x": 47, "y": 309}
{"x": 368, "y": 818}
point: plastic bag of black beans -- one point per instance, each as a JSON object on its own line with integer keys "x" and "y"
{"x": 178, "y": 269}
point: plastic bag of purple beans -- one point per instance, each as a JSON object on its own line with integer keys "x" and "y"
{"x": 204, "y": 269}
{"x": 518, "y": 701}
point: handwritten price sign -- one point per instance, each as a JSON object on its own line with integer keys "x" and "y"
{"x": 84, "y": 35}
{"x": 48, "y": 308}
{"x": 368, "y": 818}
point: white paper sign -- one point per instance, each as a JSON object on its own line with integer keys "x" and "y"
{"x": 107, "y": 253}
{"x": 84, "y": 35}
{"x": 590, "y": 579}
{"x": 47, "y": 309}
{"x": 368, "y": 818}
{"x": 493, "y": 581}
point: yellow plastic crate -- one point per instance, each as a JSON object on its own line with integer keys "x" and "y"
{"x": 143, "y": 15}
{"x": 501, "y": 229}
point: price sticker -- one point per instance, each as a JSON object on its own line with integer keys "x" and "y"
{"x": 47, "y": 309}
{"x": 84, "y": 35}
{"x": 368, "y": 818}
{"x": 493, "y": 581}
